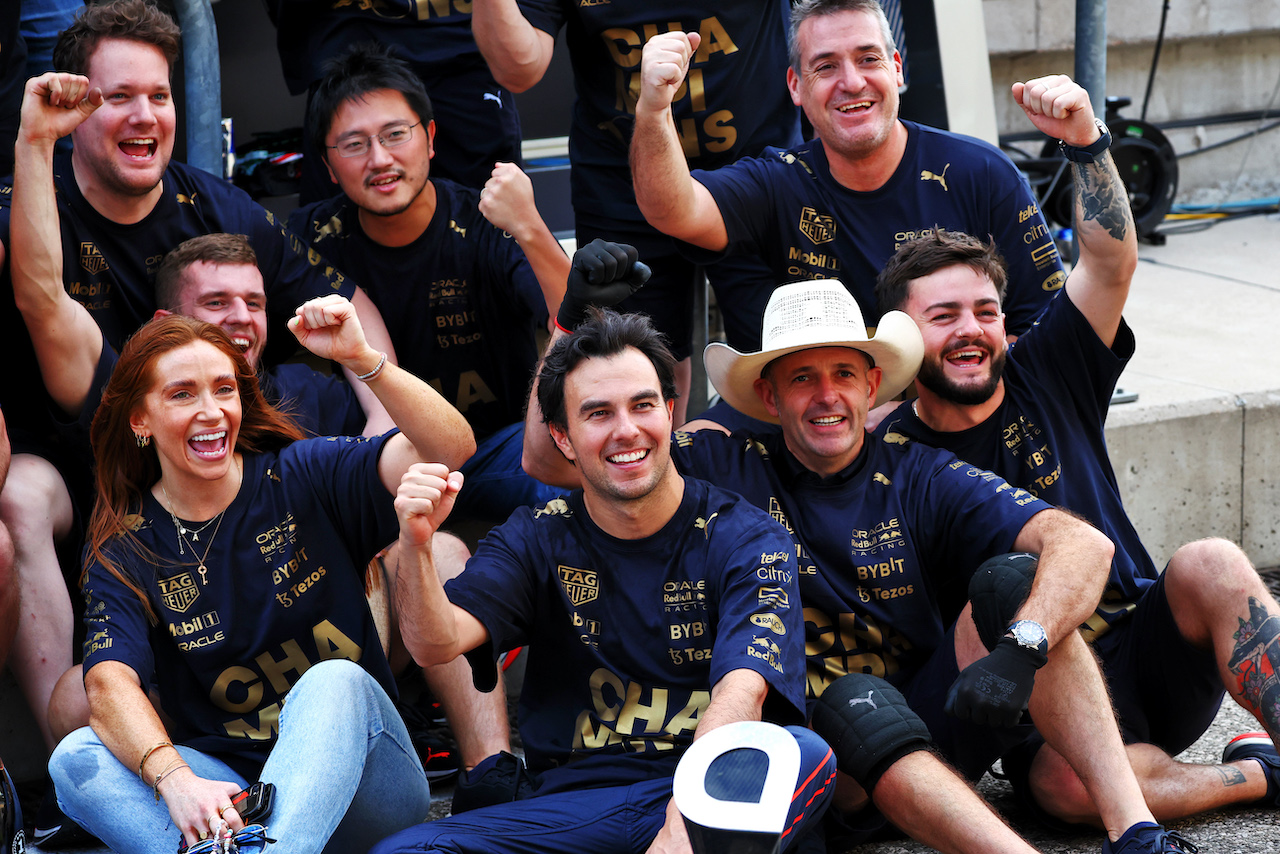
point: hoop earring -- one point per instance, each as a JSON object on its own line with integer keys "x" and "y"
{"x": 142, "y": 439}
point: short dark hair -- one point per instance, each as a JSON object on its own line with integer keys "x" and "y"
{"x": 360, "y": 69}
{"x": 605, "y": 333}
{"x": 934, "y": 250}
{"x": 803, "y": 10}
{"x": 133, "y": 20}
{"x": 218, "y": 248}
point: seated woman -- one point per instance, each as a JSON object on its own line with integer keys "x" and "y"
{"x": 224, "y": 569}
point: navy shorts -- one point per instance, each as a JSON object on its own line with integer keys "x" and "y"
{"x": 617, "y": 819}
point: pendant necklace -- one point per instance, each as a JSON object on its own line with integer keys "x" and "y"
{"x": 195, "y": 533}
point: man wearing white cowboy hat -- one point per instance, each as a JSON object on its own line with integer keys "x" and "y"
{"x": 889, "y": 541}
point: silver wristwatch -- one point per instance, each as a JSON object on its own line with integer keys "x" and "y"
{"x": 1029, "y": 634}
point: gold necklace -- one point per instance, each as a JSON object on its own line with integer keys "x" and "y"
{"x": 183, "y": 530}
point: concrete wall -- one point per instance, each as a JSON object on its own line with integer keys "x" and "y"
{"x": 1207, "y": 468}
{"x": 1219, "y": 56}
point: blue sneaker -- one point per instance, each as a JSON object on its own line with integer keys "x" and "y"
{"x": 1257, "y": 746}
{"x": 1148, "y": 838}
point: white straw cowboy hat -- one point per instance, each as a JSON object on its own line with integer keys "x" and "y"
{"x": 809, "y": 314}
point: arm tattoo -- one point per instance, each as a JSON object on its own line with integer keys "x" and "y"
{"x": 1102, "y": 197}
{"x": 1230, "y": 776}
{"x": 1255, "y": 661}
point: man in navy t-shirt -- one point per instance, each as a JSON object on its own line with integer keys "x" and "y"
{"x": 657, "y": 608}
{"x": 465, "y": 280}
{"x": 1170, "y": 642}
{"x": 899, "y": 613}
{"x": 838, "y": 206}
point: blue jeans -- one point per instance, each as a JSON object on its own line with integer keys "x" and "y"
{"x": 345, "y": 773}
{"x": 494, "y": 484}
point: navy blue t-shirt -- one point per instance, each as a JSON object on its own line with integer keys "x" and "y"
{"x": 1048, "y": 437}
{"x": 787, "y": 208}
{"x": 322, "y": 405}
{"x": 627, "y": 637}
{"x": 432, "y": 33}
{"x": 734, "y": 104}
{"x": 461, "y": 302}
{"x": 886, "y": 547}
{"x": 284, "y": 589}
{"x": 110, "y": 268}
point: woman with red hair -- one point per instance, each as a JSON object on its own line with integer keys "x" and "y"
{"x": 224, "y": 570}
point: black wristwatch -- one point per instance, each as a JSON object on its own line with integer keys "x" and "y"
{"x": 1089, "y": 153}
{"x": 1030, "y": 635}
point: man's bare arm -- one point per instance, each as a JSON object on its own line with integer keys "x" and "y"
{"x": 67, "y": 341}
{"x": 507, "y": 203}
{"x": 1075, "y": 562}
{"x": 434, "y": 629}
{"x": 518, "y": 53}
{"x": 1099, "y": 283}
{"x": 377, "y": 421}
{"x": 670, "y": 199}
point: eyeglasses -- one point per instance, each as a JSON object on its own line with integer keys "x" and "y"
{"x": 358, "y": 146}
{"x": 254, "y": 834}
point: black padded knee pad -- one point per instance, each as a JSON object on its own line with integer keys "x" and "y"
{"x": 997, "y": 590}
{"x": 869, "y": 726}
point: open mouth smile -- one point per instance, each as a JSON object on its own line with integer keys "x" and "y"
{"x": 209, "y": 445}
{"x": 139, "y": 148}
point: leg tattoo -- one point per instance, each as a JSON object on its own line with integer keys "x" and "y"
{"x": 1230, "y": 776}
{"x": 1255, "y": 661}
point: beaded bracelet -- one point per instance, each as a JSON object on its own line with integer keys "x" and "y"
{"x": 382, "y": 363}
{"x": 147, "y": 755}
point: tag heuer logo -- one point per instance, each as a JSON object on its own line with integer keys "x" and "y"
{"x": 580, "y": 585}
{"x": 91, "y": 259}
{"x": 817, "y": 227}
{"x": 177, "y": 593}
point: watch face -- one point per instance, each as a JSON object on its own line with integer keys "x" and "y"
{"x": 1028, "y": 633}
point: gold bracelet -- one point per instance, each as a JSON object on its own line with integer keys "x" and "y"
{"x": 147, "y": 756}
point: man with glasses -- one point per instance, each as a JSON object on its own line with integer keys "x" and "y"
{"x": 464, "y": 279}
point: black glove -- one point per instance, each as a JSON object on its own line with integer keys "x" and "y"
{"x": 994, "y": 691}
{"x": 603, "y": 274}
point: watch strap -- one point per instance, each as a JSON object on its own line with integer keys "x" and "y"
{"x": 1091, "y": 152}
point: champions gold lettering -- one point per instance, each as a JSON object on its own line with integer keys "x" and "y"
{"x": 637, "y": 716}
{"x": 702, "y": 133}
{"x": 850, "y": 644}
{"x": 471, "y": 388}
{"x": 240, "y": 689}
